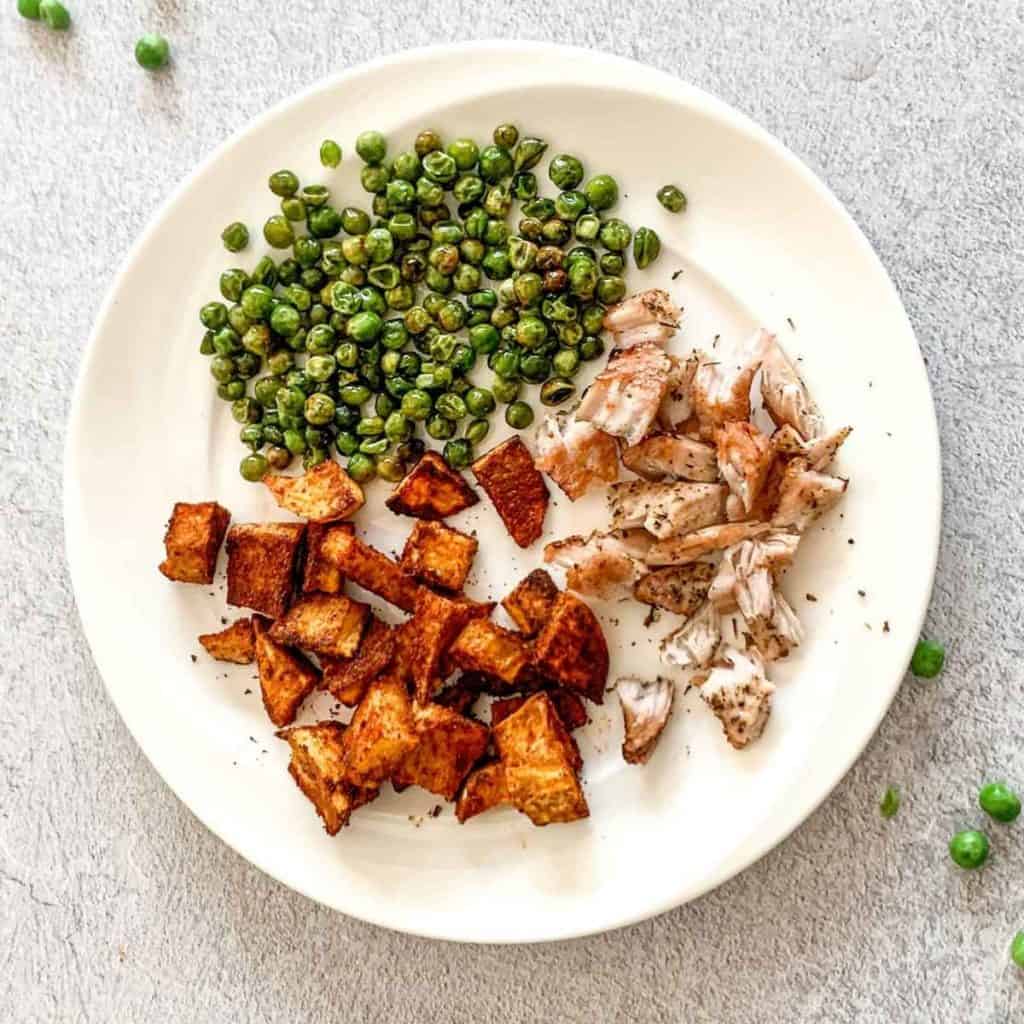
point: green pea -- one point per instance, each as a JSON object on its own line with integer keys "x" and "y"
{"x": 611, "y": 263}
{"x": 440, "y": 167}
{"x": 401, "y": 296}
{"x": 409, "y": 365}
{"x": 354, "y": 394}
{"x": 278, "y": 232}
{"x": 969, "y": 849}
{"x": 505, "y": 135}
{"x": 506, "y": 390}
{"x": 235, "y": 236}
{"x": 400, "y": 195}
{"x": 556, "y": 231}
{"x": 1017, "y": 949}
{"x": 458, "y": 453}
{"x": 245, "y": 410}
{"x": 280, "y": 362}
{"x": 315, "y": 195}
{"x": 565, "y": 171}
{"x": 588, "y": 227}
{"x": 321, "y": 340}
{"x": 451, "y": 316}
{"x": 398, "y": 427}
{"x": 495, "y": 163}
{"x": 288, "y": 271}
{"x": 434, "y": 378}
{"x": 602, "y": 191}
{"x": 610, "y": 290}
{"x": 463, "y": 359}
{"x": 498, "y": 201}
{"x": 253, "y": 468}
{"x": 365, "y": 327}
{"x": 518, "y": 415}
{"x": 384, "y": 275}
{"x": 324, "y": 222}
{"x": 361, "y": 467}
{"x": 446, "y": 232}
{"x": 290, "y": 401}
{"x": 426, "y": 142}
{"x": 285, "y": 320}
{"x": 371, "y": 146}
{"x": 522, "y": 253}
{"x": 265, "y": 272}
{"x": 257, "y": 340}
{"x": 565, "y": 362}
{"x": 54, "y": 15}
{"x": 451, "y": 406}
{"x": 998, "y": 801}
{"x": 370, "y": 426}
{"x": 524, "y": 185}
{"x": 477, "y": 430}
{"x": 528, "y": 153}
{"x": 374, "y": 445}
{"x": 266, "y": 389}
{"x": 475, "y": 223}
{"x": 318, "y": 314}
{"x": 353, "y": 275}
{"x": 429, "y": 193}
{"x": 646, "y": 247}
{"x": 29, "y": 9}
{"x": 247, "y": 365}
{"x": 464, "y": 152}
{"x": 591, "y": 348}
{"x": 534, "y": 367}
{"x": 496, "y": 264}
{"x": 206, "y": 345}
{"x": 346, "y": 442}
{"x": 354, "y": 221}
{"x": 152, "y": 51}
{"x": 330, "y": 153}
{"x": 485, "y": 299}
{"x": 531, "y": 331}
{"x": 444, "y": 258}
{"x": 413, "y": 267}
{"x": 294, "y": 441}
{"x": 319, "y": 409}
{"x": 469, "y": 188}
{"x": 928, "y": 659}
{"x": 570, "y": 204}
{"x": 278, "y": 457}
{"x": 440, "y": 429}
{"x": 321, "y": 368}
{"x": 232, "y": 390}
{"x": 213, "y": 315}
{"x": 466, "y": 278}
{"x": 531, "y": 228}
{"x": 417, "y": 404}
{"x": 672, "y": 198}
{"x": 583, "y": 277}
{"x": 390, "y": 468}
{"x": 615, "y": 235}
{"x": 557, "y": 390}
{"x": 479, "y": 401}
{"x": 505, "y": 363}
{"x": 284, "y": 183}
{"x": 528, "y": 287}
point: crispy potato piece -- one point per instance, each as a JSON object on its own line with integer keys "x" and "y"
{"x": 484, "y": 646}
{"x": 192, "y": 540}
{"x": 531, "y": 602}
{"x": 322, "y": 494}
{"x": 571, "y": 649}
{"x": 319, "y": 573}
{"x": 330, "y": 624}
{"x": 348, "y": 678}
{"x": 460, "y": 696}
{"x": 570, "y": 707}
{"x": 437, "y": 622}
{"x": 261, "y": 565}
{"x": 540, "y": 759}
{"x": 370, "y": 569}
{"x": 431, "y": 490}
{"x": 286, "y": 677}
{"x": 677, "y": 588}
{"x": 516, "y": 487}
{"x": 449, "y": 745}
{"x": 234, "y": 644}
{"x": 318, "y": 768}
{"x": 381, "y": 734}
{"x": 484, "y": 788}
{"x": 438, "y": 555}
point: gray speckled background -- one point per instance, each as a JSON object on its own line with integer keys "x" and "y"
{"x": 116, "y": 904}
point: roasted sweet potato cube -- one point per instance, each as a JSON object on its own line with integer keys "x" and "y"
{"x": 320, "y": 574}
{"x": 437, "y": 622}
{"x": 370, "y": 569}
{"x": 540, "y": 763}
{"x": 484, "y": 646}
{"x": 318, "y": 768}
{"x": 571, "y": 709}
{"x": 348, "y": 678}
{"x": 381, "y": 734}
{"x": 460, "y": 696}
{"x": 448, "y": 746}
{"x": 261, "y": 565}
{"x": 431, "y": 490}
{"x": 330, "y": 624}
{"x": 192, "y": 540}
{"x": 484, "y": 788}
{"x": 438, "y": 555}
{"x": 571, "y": 649}
{"x": 516, "y": 488}
{"x": 286, "y": 677}
{"x": 233, "y": 644}
{"x": 530, "y": 604}
{"x": 322, "y": 494}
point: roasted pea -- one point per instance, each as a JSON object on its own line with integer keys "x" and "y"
{"x": 528, "y": 287}
{"x": 235, "y": 236}
{"x": 616, "y": 235}
{"x": 417, "y": 404}
{"x": 524, "y": 185}
{"x": 565, "y": 171}
{"x": 440, "y": 167}
{"x": 555, "y": 281}
{"x": 610, "y": 289}
{"x": 426, "y": 142}
{"x": 464, "y": 152}
{"x": 646, "y": 247}
{"x": 440, "y": 428}
{"x": 283, "y": 183}
{"x": 534, "y": 367}
{"x": 602, "y": 191}
{"x": 531, "y": 228}
{"x": 565, "y": 362}
{"x": 498, "y": 201}
{"x": 556, "y": 231}
{"x": 495, "y": 163}
{"x": 528, "y": 153}
{"x": 365, "y": 327}
{"x": 450, "y": 406}
{"x": 588, "y": 227}
{"x": 518, "y": 415}
{"x": 477, "y": 430}
{"x": 458, "y": 453}
{"x": 591, "y": 348}
{"x": 556, "y": 391}
{"x": 611, "y": 263}
{"x": 570, "y": 204}
{"x": 672, "y": 198}
{"x": 315, "y": 195}
{"x": 505, "y": 363}
{"x": 505, "y": 389}
{"x": 324, "y": 222}
{"x": 429, "y": 193}
{"x": 496, "y": 264}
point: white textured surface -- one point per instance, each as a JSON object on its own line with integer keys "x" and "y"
{"x": 116, "y": 904}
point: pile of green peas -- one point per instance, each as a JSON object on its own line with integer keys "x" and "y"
{"x": 371, "y": 322}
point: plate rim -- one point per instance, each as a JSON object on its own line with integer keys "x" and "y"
{"x": 657, "y": 83}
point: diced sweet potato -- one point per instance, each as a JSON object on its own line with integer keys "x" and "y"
{"x": 460, "y": 696}
{"x": 286, "y": 677}
{"x": 438, "y": 555}
{"x": 322, "y": 494}
{"x": 431, "y": 490}
{"x": 530, "y": 604}
{"x": 381, "y": 734}
{"x": 320, "y": 574}
{"x": 330, "y": 624}
{"x": 571, "y": 709}
{"x": 540, "y": 764}
{"x": 233, "y": 644}
{"x": 484, "y": 788}
{"x": 192, "y": 540}
{"x": 318, "y": 768}
{"x": 448, "y": 746}
{"x": 261, "y": 565}
{"x": 571, "y": 649}
{"x": 348, "y": 678}
{"x": 484, "y": 646}
{"x": 516, "y": 487}
{"x": 437, "y": 622}
{"x": 370, "y": 569}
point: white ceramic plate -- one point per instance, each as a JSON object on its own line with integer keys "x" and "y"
{"x": 763, "y": 241}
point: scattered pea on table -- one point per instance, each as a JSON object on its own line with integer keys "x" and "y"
{"x": 928, "y": 659}
{"x": 152, "y": 51}
{"x": 998, "y": 801}
{"x": 969, "y": 849}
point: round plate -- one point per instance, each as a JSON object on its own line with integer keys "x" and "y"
{"x": 763, "y": 242}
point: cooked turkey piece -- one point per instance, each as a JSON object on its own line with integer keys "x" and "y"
{"x": 602, "y": 565}
{"x": 665, "y": 455}
{"x": 646, "y": 708}
{"x": 666, "y": 509}
{"x": 721, "y": 385}
{"x": 785, "y": 397}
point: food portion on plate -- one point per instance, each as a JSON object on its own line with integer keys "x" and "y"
{"x": 715, "y": 513}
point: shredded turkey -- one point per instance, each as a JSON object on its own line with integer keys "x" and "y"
{"x": 819, "y": 452}
{"x": 738, "y": 692}
{"x": 664, "y": 455}
{"x": 676, "y": 409}
{"x": 693, "y": 645}
{"x": 721, "y": 385}
{"x": 785, "y": 397}
{"x": 744, "y": 457}
{"x": 575, "y": 454}
{"x": 804, "y": 495}
{"x": 646, "y": 709}
{"x": 680, "y": 550}
{"x": 666, "y": 509}
{"x": 771, "y": 623}
{"x": 773, "y": 551}
{"x": 648, "y": 317}
{"x": 602, "y": 565}
{"x": 625, "y": 397}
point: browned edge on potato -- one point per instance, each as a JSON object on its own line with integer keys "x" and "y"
{"x": 192, "y": 540}
{"x": 262, "y": 559}
{"x": 516, "y": 488}
{"x": 431, "y": 490}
